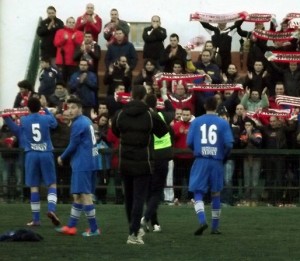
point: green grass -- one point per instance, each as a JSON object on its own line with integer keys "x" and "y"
{"x": 247, "y": 234}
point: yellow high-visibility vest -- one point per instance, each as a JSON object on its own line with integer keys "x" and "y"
{"x": 164, "y": 141}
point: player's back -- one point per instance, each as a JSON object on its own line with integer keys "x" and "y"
{"x": 208, "y": 135}
{"x": 36, "y": 132}
{"x": 85, "y": 156}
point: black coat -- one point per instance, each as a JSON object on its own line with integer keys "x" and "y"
{"x": 47, "y": 36}
{"x": 154, "y": 42}
{"x": 135, "y": 125}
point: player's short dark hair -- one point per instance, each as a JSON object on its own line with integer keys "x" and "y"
{"x": 151, "y": 100}
{"x": 210, "y": 104}
{"x": 75, "y": 100}
{"x": 138, "y": 92}
{"x": 25, "y": 84}
{"x": 34, "y": 104}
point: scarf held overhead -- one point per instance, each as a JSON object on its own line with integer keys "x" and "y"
{"x": 283, "y": 57}
{"x": 217, "y": 18}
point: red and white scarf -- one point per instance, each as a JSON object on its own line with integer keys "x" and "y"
{"x": 288, "y": 100}
{"x": 259, "y": 18}
{"x": 275, "y": 36}
{"x": 264, "y": 114}
{"x": 159, "y": 77}
{"x": 217, "y": 18}
{"x": 215, "y": 87}
{"x": 17, "y": 112}
{"x": 290, "y": 16}
{"x": 283, "y": 57}
{"x": 122, "y": 97}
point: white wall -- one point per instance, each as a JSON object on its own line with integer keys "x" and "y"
{"x": 18, "y": 20}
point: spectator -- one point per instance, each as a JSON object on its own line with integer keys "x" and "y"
{"x": 258, "y": 79}
{"x": 134, "y": 125}
{"x": 46, "y": 31}
{"x": 222, "y": 41}
{"x": 114, "y": 143}
{"x": 230, "y": 165}
{"x": 215, "y": 56}
{"x": 66, "y": 40}
{"x": 90, "y": 51}
{"x": 181, "y": 98}
{"x": 290, "y": 77}
{"x": 274, "y": 137}
{"x": 48, "y": 78}
{"x": 154, "y": 36}
{"x": 103, "y": 175}
{"x": 174, "y": 51}
{"x": 212, "y": 75}
{"x": 83, "y": 84}
{"x": 256, "y": 47}
{"x": 252, "y": 102}
{"x": 251, "y": 138}
{"x": 113, "y": 101}
{"x": 59, "y": 97}
{"x": 90, "y": 22}
{"x": 118, "y": 72}
{"x": 147, "y": 73}
{"x": 26, "y": 89}
{"x": 115, "y": 22}
{"x": 121, "y": 47}
{"x": 182, "y": 161}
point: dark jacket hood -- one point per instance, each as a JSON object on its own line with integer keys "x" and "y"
{"x": 135, "y": 108}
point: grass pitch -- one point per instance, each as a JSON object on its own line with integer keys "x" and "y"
{"x": 259, "y": 233}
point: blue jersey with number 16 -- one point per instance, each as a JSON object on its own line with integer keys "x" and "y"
{"x": 210, "y": 136}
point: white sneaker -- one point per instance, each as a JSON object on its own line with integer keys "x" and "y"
{"x": 156, "y": 228}
{"x": 134, "y": 240}
{"x": 145, "y": 225}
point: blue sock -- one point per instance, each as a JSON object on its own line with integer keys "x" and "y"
{"x": 90, "y": 213}
{"x": 199, "y": 207}
{"x": 35, "y": 206}
{"x": 215, "y": 212}
{"x": 75, "y": 214}
{"x": 52, "y": 199}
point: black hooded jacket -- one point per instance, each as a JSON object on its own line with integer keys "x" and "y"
{"x": 135, "y": 124}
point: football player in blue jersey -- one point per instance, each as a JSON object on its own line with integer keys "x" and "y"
{"x": 83, "y": 152}
{"x": 33, "y": 134}
{"x": 211, "y": 139}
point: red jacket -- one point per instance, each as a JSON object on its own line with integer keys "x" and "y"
{"x": 115, "y": 142}
{"x": 93, "y": 27}
{"x": 180, "y": 129}
{"x": 180, "y": 103}
{"x": 67, "y": 46}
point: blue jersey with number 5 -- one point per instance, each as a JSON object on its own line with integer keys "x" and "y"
{"x": 35, "y": 131}
{"x": 210, "y": 136}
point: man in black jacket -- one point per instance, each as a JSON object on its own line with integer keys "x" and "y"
{"x": 135, "y": 124}
{"x": 154, "y": 37}
{"x": 46, "y": 31}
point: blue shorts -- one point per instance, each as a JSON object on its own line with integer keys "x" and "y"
{"x": 83, "y": 182}
{"x": 39, "y": 167}
{"x": 206, "y": 174}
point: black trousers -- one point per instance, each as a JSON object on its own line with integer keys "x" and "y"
{"x": 135, "y": 190}
{"x": 156, "y": 187}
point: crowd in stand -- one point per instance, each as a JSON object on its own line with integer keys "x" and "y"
{"x": 70, "y": 58}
